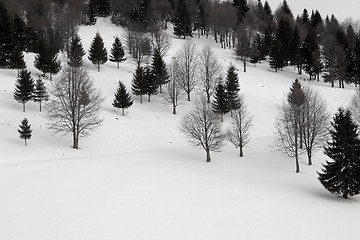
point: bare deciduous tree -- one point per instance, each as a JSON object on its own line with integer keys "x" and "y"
{"x": 139, "y": 46}
{"x": 173, "y": 90}
{"x": 202, "y": 127}
{"x": 355, "y": 107}
{"x": 315, "y": 122}
{"x": 210, "y": 71}
{"x": 160, "y": 40}
{"x": 188, "y": 64}
{"x": 245, "y": 38}
{"x": 75, "y": 104}
{"x": 238, "y": 134}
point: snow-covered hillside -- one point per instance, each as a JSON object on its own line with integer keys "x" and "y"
{"x": 136, "y": 177}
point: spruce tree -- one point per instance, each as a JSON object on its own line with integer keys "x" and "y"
{"x": 117, "y": 52}
{"x": 76, "y": 52}
{"x": 242, "y": 8}
{"x": 25, "y": 130}
{"x": 97, "y": 52}
{"x": 232, "y": 88}
{"x": 103, "y": 8}
{"x": 342, "y": 175}
{"x": 182, "y": 20}
{"x": 6, "y": 37}
{"x": 19, "y": 32}
{"x": 24, "y": 87}
{"x": 40, "y": 93}
{"x": 91, "y": 13}
{"x": 158, "y": 68}
{"x": 220, "y": 103}
{"x": 277, "y": 57}
{"x": 138, "y": 85}
{"x": 46, "y": 60}
{"x": 122, "y": 98}
{"x": 17, "y": 59}
{"x": 151, "y": 86}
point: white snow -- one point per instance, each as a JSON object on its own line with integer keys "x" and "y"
{"x": 136, "y": 177}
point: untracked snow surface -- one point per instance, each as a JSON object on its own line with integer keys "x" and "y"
{"x": 136, "y": 177}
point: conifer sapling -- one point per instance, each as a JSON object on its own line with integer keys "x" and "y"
{"x": 24, "y": 88}
{"x": 40, "y": 93}
{"x": 25, "y": 130}
{"x": 122, "y": 98}
{"x": 97, "y": 52}
{"x": 117, "y": 52}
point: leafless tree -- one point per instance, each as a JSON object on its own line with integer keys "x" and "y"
{"x": 355, "y": 107}
{"x": 160, "y": 40}
{"x": 202, "y": 128}
{"x": 138, "y": 45}
{"x": 210, "y": 71}
{"x": 75, "y": 104}
{"x": 188, "y": 63}
{"x": 245, "y": 38}
{"x": 315, "y": 122}
{"x": 238, "y": 134}
{"x": 173, "y": 90}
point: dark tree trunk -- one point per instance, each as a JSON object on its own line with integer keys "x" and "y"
{"x": 123, "y": 112}
{"x": 174, "y": 109}
{"x": 23, "y": 106}
{"x": 25, "y": 141}
{"x": 309, "y": 158}
{"x": 40, "y": 105}
{"x": 241, "y": 151}
{"x": 208, "y": 158}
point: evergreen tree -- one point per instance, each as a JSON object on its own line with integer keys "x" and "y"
{"x": 138, "y": 83}
{"x": 277, "y": 57}
{"x": 40, "y": 93}
{"x": 91, "y": 14}
{"x": 46, "y": 60}
{"x": 25, "y": 130}
{"x": 158, "y": 68}
{"x": 6, "y": 37}
{"x": 220, "y": 103}
{"x": 295, "y": 50}
{"x": 76, "y": 52}
{"x": 342, "y": 174}
{"x": 117, "y": 52}
{"x": 182, "y": 20}
{"x": 122, "y": 98}
{"x": 232, "y": 88}
{"x": 97, "y": 52}
{"x": 242, "y": 8}
{"x": 151, "y": 86}
{"x": 19, "y": 32}
{"x": 307, "y": 51}
{"x": 17, "y": 59}
{"x": 24, "y": 87}
{"x": 103, "y": 8}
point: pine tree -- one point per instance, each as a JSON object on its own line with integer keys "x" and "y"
{"x": 138, "y": 83}
{"x": 91, "y": 14}
{"x": 25, "y": 130}
{"x": 158, "y": 68}
{"x": 182, "y": 20}
{"x": 277, "y": 57}
{"x": 24, "y": 87}
{"x": 97, "y": 52}
{"x": 122, "y": 98}
{"x": 232, "y": 88}
{"x": 151, "y": 86}
{"x": 242, "y": 8}
{"x": 76, "y": 52}
{"x": 342, "y": 174}
{"x": 47, "y": 60}
{"x": 220, "y": 103}
{"x": 117, "y": 52}
{"x": 40, "y": 93}
{"x": 19, "y": 32}
{"x": 6, "y": 37}
{"x": 103, "y": 8}
{"x": 17, "y": 59}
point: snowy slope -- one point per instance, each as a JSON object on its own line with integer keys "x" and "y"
{"x": 137, "y": 178}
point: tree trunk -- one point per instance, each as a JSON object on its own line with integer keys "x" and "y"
{"x": 149, "y": 97}
{"x": 188, "y": 93}
{"x": 40, "y": 105}
{"x": 123, "y": 113}
{"x": 208, "y": 159}
{"x": 118, "y": 65}
{"x": 23, "y": 106}
{"x": 98, "y": 66}
{"x": 25, "y": 141}
{"x": 174, "y": 109}
{"x": 244, "y": 63}
{"x": 140, "y": 98}
{"x": 309, "y": 158}
{"x": 297, "y": 163}
{"x": 241, "y": 151}
{"x": 75, "y": 140}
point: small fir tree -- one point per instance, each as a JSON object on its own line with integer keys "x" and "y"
{"x": 25, "y": 130}
{"x": 40, "y": 93}
{"x": 122, "y": 98}
{"x": 232, "y": 88}
{"x": 342, "y": 174}
{"x": 91, "y": 13}
{"x": 220, "y": 103}
{"x": 158, "y": 68}
{"x": 17, "y": 59}
{"x": 97, "y": 52}
{"x": 46, "y": 60}
{"x": 182, "y": 20}
{"x": 24, "y": 88}
{"x": 138, "y": 83}
{"x": 76, "y": 52}
{"x": 151, "y": 87}
{"x": 117, "y": 52}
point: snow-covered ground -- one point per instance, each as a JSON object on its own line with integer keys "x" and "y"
{"x": 136, "y": 177}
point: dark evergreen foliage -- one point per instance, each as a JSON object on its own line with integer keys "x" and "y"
{"x": 342, "y": 175}
{"x": 158, "y": 68}
{"x": 296, "y": 95}
{"x": 117, "y": 52}
{"x": 97, "y": 51}
{"x": 91, "y": 14}
{"x": 6, "y": 37}
{"x": 40, "y": 93}
{"x": 151, "y": 86}
{"x": 277, "y": 57}
{"x": 242, "y": 7}
{"x": 138, "y": 86}
{"x": 76, "y": 52}
{"x": 17, "y": 59}
{"x": 46, "y": 60}
{"x": 24, "y": 87}
{"x": 182, "y": 20}
{"x": 25, "y": 130}
{"x": 19, "y": 32}
{"x": 220, "y": 103}
{"x": 122, "y": 98}
{"x": 232, "y": 88}
{"x": 103, "y": 8}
